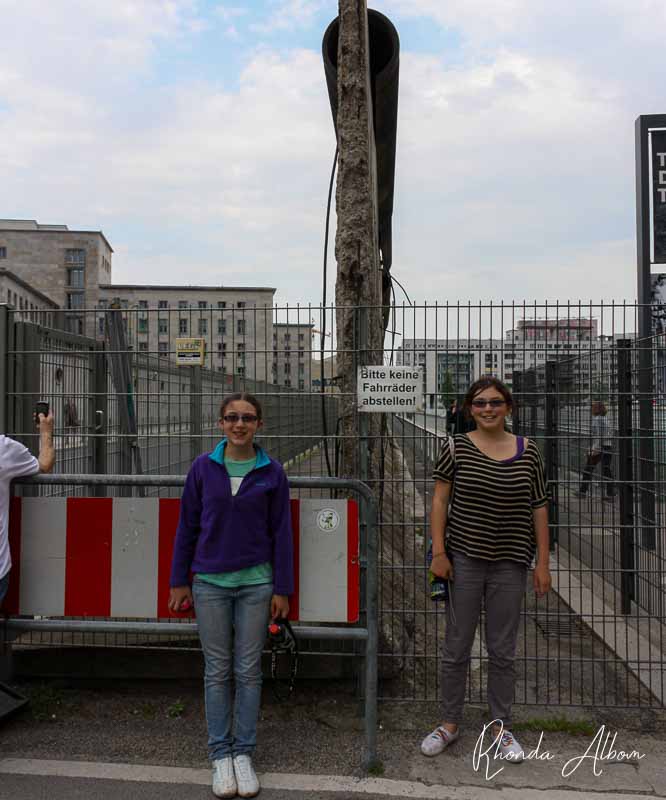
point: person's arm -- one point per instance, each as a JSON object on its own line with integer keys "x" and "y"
{"x": 189, "y": 525}
{"x": 46, "y": 457}
{"x": 542, "y": 579}
{"x": 283, "y": 548}
{"x": 539, "y": 501}
{"x": 441, "y": 565}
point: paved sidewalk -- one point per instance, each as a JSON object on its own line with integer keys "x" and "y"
{"x": 23, "y": 779}
{"x": 312, "y": 747}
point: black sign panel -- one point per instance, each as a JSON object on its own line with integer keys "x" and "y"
{"x": 658, "y": 142}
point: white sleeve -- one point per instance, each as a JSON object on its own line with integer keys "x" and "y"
{"x": 16, "y": 461}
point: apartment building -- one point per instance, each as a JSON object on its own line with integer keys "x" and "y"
{"x": 236, "y": 323}
{"x": 450, "y": 365}
{"x": 67, "y": 266}
{"x": 533, "y": 342}
{"x": 292, "y": 352}
{"x": 31, "y": 305}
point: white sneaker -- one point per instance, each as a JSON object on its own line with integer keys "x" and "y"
{"x": 510, "y": 748}
{"x": 435, "y": 742}
{"x": 224, "y": 779}
{"x": 246, "y": 777}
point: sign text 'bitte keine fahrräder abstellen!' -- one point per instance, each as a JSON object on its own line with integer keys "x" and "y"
{"x": 389, "y": 388}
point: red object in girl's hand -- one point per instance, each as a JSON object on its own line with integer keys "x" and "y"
{"x": 185, "y": 605}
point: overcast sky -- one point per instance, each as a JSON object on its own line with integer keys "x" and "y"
{"x": 197, "y": 136}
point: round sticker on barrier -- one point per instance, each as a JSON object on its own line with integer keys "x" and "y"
{"x": 328, "y": 520}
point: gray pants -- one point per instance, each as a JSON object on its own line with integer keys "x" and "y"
{"x": 502, "y": 585}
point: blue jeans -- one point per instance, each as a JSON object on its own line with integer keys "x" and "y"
{"x": 232, "y": 628}
{"x": 4, "y": 585}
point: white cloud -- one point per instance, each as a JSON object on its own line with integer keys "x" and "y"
{"x": 515, "y": 160}
{"x": 287, "y": 15}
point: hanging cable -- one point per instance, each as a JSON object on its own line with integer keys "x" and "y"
{"x": 323, "y": 324}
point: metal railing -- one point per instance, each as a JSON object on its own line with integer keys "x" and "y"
{"x": 365, "y": 633}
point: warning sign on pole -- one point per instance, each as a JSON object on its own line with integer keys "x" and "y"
{"x": 190, "y": 352}
{"x": 389, "y": 388}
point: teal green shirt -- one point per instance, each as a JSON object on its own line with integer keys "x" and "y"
{"x": 260, "y": 573}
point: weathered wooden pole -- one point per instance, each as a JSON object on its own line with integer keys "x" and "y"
{"x": 358, "y": 290}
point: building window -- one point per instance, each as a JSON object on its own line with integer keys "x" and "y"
{"x": 182, "y": 304}
{"x": 75, "y": 278}
{"x": 203, "y": 327}
{"x": 163, "y": 326}
{"x": 301, "y": 384}
{"x": 287, "y": 382}
{"x": 222, "y": 326}
{"x": 3, "y": 252}
{"x": 101, "y": 324}
{"x": 77, "y": 257}
{"x": 142, "y": 325}
{"x": 287, "y": 368}
{"x": 240, "y": 327}
{"x": 301, "y": 337}
{"x": 222, "y": 347}
{"x": 203, "y": 304}
{"x": 163, "y": 304}
{"x": 301, "y": 369}
{"x": 240, "y": 370}
{"x": 182, "y": 325}
{"x": 143, "y": 346}
{"x": 241, "y": 304}
{"x": 163, "y": 348}
{"x": 143, "y": 304}
{"x": 221, "y": 303}
{"x": 75, "y": 300}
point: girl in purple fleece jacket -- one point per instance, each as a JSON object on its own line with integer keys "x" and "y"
{"x": 234, "y": 534}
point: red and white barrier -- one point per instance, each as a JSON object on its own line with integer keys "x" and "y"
{"x": 111, "y": 557}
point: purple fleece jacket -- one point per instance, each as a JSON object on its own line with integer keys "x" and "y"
{"x": 219, "y": 532}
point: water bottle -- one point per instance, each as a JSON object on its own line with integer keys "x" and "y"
{"x": 439, "y": 587}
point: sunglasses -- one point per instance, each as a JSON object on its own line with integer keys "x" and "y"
{"x": 244, "y": 418}
{"x": 492, "y": 403}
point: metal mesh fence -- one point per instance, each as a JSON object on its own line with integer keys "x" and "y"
{"x": 597, "y": 639}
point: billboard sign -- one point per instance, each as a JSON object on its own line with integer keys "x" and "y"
{"x": 658, "y": 195}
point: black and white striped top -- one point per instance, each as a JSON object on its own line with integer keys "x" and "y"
{"x": 490, "y": 516}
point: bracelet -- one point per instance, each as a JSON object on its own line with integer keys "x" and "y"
{"x": 438, "y": 555}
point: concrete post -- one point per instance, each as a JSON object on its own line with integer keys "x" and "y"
{"x": 357, "y": 239}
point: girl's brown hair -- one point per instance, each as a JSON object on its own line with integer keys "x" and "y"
{"x": 480, "y": 385}
{"x": 248, "y": 398}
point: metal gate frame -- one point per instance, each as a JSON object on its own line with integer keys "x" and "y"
{"x": 367, "y": 633}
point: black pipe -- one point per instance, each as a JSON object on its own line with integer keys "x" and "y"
{"x": 384, "y": 72}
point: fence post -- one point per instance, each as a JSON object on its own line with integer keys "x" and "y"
{"x": 626, "y": 470}
{"x": 195, "y": 412}
{"x": 646, "y": 461}
{"x": 516, "y": 420}
{"x": 552, "y": 450}
{"x": 100, "y": 410}
{"x": 4, "y": 366}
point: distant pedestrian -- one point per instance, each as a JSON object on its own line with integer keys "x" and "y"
{"x": 16, "y": 461}
{"x": 601, "y": 451}
{"x": 234, "y": 534}
{"x": 458, "y": 421}
{"x": 483, "y": 544}
{"x": 451, "y": 418}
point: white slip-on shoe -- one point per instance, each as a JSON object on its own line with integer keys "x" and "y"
{"x": 246, "y": 777}
{"x": 510, "y": 748}
{"x": 224, "y": 778}
{"x": 435, "y": 742}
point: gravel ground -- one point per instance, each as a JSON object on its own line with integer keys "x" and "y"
{"x": 319, "y": 731}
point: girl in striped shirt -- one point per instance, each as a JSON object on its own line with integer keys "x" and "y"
{"x": 489, "y": 517}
